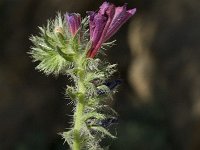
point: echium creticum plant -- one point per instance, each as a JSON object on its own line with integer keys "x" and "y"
{"x": 70, "y": 45}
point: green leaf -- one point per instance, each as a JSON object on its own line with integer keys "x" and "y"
{"x": 70, "y": 91}
{"x": 68, "y": 137}
{"x": 68, "y": 57}
{"x": 102, "y": 130}
{"x": 50, "y": 61}
{"x": 92, "y": 115}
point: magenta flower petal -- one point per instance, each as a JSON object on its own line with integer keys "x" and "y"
{"x": 105, "y": 23}
{"x": 74, "y": 22}
{"x": 103, "y": 8}
{"x": 121, "y": 16}
{"x": 91, "y": 21}
{"x": 105, "y": 14}
{"x": 97, "y": 24}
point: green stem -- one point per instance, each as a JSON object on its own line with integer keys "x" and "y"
{"x": 77, "y": 125}
{"x": 79, "y": 112}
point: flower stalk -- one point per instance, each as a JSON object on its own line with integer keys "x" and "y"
{"x": 79, "y": 108}
{"x": 77, "y": 126}
{"x": 69, "y": 46}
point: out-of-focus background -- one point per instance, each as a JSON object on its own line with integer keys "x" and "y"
{"x": 158, "y": 52}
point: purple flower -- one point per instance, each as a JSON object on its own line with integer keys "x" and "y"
{"x": 73, "y": 22}
{"x": 105, "y": 23}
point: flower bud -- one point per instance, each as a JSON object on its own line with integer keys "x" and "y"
{"x": 73, "y": 22}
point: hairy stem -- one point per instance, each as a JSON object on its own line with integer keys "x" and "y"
{"x": 79, "y": 110}
{"x": 77, "y": 125}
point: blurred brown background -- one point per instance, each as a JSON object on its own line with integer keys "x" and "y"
{"x": 158, "y": 52}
